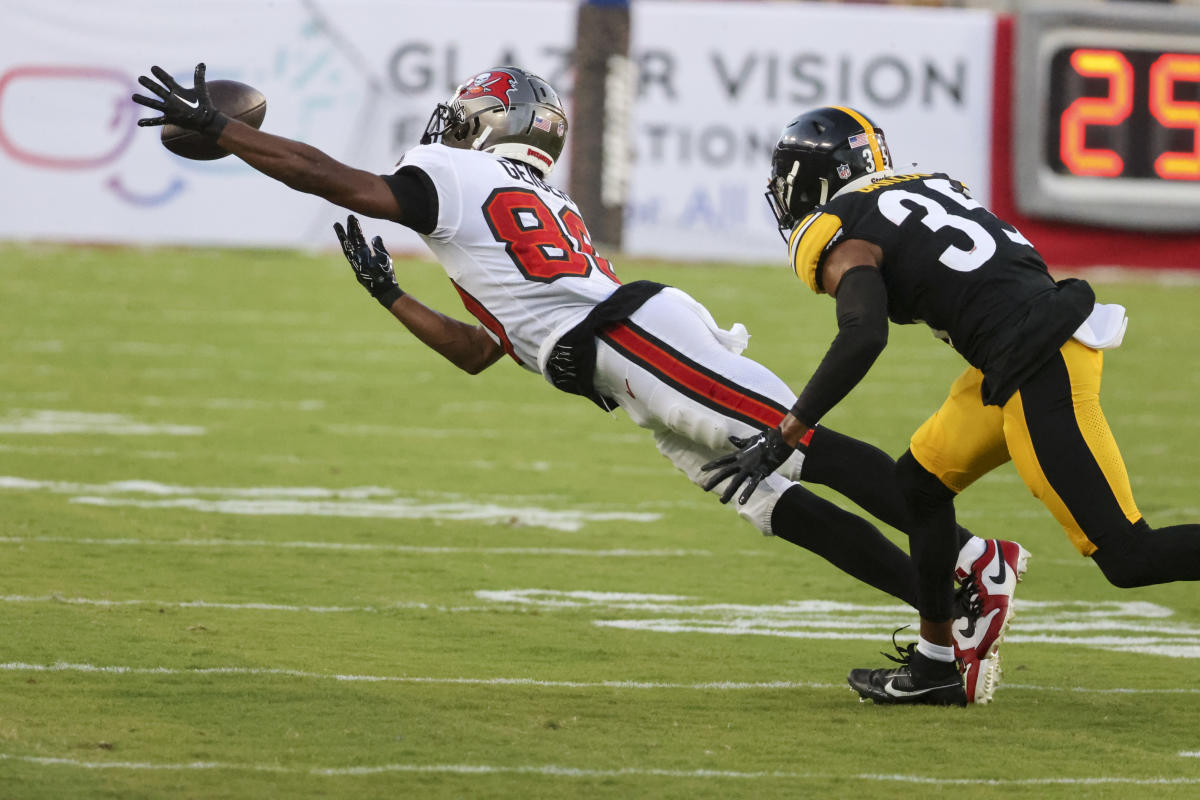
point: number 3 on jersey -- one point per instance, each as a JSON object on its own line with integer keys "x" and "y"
{"x": 545, "y": 246}
{"x": 897, "y": 204}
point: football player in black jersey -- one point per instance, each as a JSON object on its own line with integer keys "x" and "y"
{"x": 918, "y": 248}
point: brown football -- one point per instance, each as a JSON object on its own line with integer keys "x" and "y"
{"x": 237, "y": 100}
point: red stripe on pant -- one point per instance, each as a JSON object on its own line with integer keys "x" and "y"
{"x": 677, "y": 372}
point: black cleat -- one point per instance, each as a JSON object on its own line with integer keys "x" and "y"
{"x": 918, "y": 680}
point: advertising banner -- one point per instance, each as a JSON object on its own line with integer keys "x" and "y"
{"x": 359, "y": 78}
{"x": 718, "y": 81}
{"x": 355, "y": 78}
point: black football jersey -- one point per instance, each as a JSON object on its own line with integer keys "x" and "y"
{"x": 952, "y": 264}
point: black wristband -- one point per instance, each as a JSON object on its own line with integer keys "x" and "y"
{"x": 390, "y": 296}
{"x": 214, "y": 126}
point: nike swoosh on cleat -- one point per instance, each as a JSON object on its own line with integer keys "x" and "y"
{"x": 892, "y": 691}
{"x": 999, "y": 581}
{"x": 970, "y": 638}
{"x": 968, "y": 630}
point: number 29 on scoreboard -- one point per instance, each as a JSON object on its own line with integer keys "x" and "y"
{"x": 1132, "y": 113}
{"x": 1108, "y": 115}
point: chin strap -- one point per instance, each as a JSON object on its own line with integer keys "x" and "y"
{"x": 481, "y": 138}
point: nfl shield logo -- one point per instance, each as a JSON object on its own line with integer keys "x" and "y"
{"x": 843, "y": 171}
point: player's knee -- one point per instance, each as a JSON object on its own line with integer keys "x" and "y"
{"x": 922, "y": 490}
{"x": 757, "y": 510}
{"x": 1121, "y": 572}
{"x": 1124, "y": 561}
{"x": 760, "y": 508}
{"x": 707, "y": 430}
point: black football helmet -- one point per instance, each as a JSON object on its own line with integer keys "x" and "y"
{"x": 818, "y": 153}
{"x": 506, "y": 111}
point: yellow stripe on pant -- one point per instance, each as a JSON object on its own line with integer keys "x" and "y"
{"x": 965, "y": 439}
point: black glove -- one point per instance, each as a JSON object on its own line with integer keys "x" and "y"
{"x": 371, "y": 263}
{"x": 756, "y": 458}
{"x": 187, "y": 108}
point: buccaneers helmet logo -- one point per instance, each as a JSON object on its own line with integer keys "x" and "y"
{"x": 498, "y": 85}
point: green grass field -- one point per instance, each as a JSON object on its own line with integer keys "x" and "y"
{"x": 257, "y": 542}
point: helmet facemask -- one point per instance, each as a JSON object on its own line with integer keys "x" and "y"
{"x": 445, "y": 118}
{"x": 791, "y": 202}
{"x": 792, "y": 194}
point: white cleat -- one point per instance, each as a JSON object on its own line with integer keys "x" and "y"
{"x": 985, "y": 599}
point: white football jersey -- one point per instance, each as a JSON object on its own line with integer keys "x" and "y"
{"x": 515, "y": 247}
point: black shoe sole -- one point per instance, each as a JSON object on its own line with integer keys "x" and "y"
{"x": 948, "y": 696}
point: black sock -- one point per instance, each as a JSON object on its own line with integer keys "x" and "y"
{"x": 849, "y": 542}
{"x": 932, "y": 539}
{"x": 862, "y": 473}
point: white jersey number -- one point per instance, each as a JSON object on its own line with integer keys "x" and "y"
{"x": 983, "y": 246}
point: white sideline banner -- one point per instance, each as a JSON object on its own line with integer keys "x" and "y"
{"x": 359, "y": 78}
{"x": 355, "y": 78}
{"x": 718, "y": 81}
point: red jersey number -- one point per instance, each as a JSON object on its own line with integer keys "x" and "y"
{"x": 544, "y": 246}
{"x": 574, "y": 225}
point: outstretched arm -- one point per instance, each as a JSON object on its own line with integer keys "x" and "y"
{"x": 307, "y": 169}
{"x": 851, "y": 274}
{"x": 300, "y": 166}
{"x": 468, "y": 347}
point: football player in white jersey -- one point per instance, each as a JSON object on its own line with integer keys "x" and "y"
{"x": 519, "y": 254}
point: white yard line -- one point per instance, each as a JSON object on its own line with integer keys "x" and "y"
{"x": 720, "y": 686}
{"x": 369, "y": 502}
{"x": 156, "y": 489}
{"x": 1123, "y": 627}
{"x": 44, "y": 422}
{"x": 352, "y": 678}
{"x": 567, "y": 520}
{"x": 356, "y": 547}
{"x": 107, "y": 603}
{"x": 558, "y": 771}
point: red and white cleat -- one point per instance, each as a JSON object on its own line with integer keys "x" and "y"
{"x": 985, "y": 609}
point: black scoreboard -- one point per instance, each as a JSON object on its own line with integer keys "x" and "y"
{"x": 1107, "y": 115}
